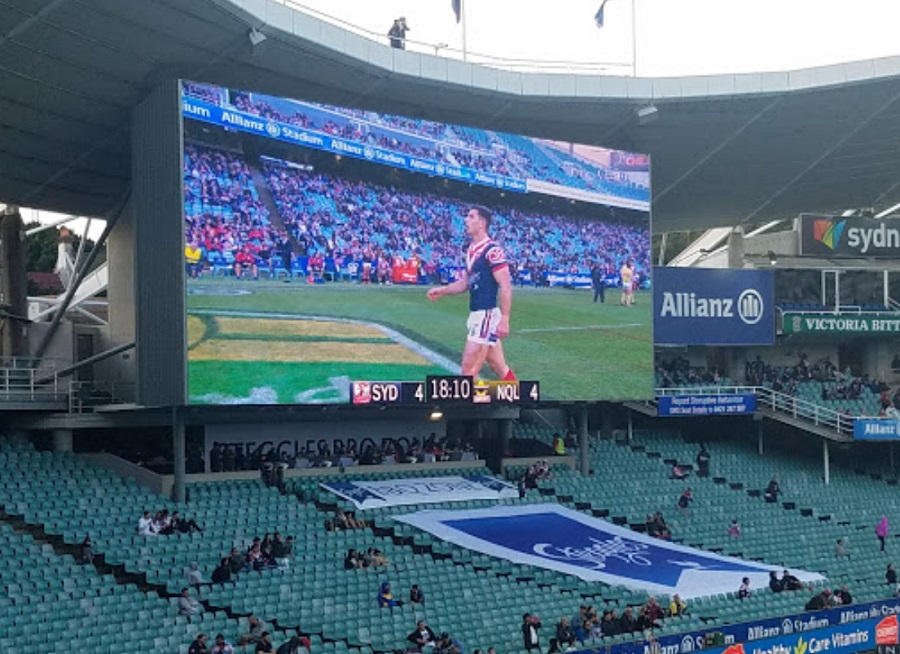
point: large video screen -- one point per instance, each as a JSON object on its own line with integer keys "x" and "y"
{"x": 326, "y": 246}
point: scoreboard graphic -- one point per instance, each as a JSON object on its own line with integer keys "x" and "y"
{"x": 445, "y": 390}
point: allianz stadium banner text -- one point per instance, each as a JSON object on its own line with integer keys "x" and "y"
{"x": 860, "y": 324}
{"x": 367, "y": 494}
{"x": 726, "y": 404}
{"x": 696, "y": 306}
{"x": 554, "y": 537}
{"x": 834, "y": 236}
{"x": 876, "y": 429}
{"x": 763, "y": 636}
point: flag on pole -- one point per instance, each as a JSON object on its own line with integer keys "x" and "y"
{"x": 457, "y": 8}
{"x": 598, "y": 17}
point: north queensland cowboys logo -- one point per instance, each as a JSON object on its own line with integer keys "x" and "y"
{"x": 273, "y": 129}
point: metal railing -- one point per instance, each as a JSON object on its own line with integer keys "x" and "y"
{"x": 85, "y": 396}
{"x": 796, "y": 407}
{"x": 624, "y": 69}
{"x": 22, "y": 381}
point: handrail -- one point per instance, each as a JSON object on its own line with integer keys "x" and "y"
{"x": 780, "y": 402}
{"x": 445, "y": 50}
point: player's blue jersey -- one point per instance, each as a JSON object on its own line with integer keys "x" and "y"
{"x": 482, "y": 261}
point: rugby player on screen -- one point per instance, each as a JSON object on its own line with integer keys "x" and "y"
{"x": 488, "y": 281}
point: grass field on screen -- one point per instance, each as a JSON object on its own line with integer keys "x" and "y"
{"x": 273, "y": 342}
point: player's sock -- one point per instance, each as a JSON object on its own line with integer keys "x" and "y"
{"x": 510, "y": 375}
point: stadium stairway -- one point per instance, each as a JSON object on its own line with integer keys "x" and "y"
{"x": 265, "y": 195}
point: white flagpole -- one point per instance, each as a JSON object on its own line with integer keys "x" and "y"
{"x": 462, "y": 20}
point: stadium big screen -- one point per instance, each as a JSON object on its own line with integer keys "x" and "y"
{"x": 313, "y": 234}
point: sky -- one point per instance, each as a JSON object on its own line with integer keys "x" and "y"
{"x": 673, "y": 37}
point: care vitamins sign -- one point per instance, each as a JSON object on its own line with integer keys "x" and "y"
{"x": 706, "y": 405}
{"x": 860, "y": 324}
{"x": 696, "y": 306}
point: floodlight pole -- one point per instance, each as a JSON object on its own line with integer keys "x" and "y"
{"x": 826, "y": 461}
{"x": 462, "y": 21}
{"x": 633, "y": 38}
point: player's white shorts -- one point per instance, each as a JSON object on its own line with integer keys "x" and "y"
{"x": 483, "y": 326}
{"x": 628, "y": 287}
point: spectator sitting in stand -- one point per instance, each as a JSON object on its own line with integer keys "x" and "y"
{"x": 222, "y": 646}
{"x": 627, "y": 623}
{"x": 282, "y": 551}
{"x": 565, "y": 638}
{"x": 845, "y": 596}
{"x": 187, "y": 605}
{"x": 685, "y": 501}
{"x": 773, "y": 490}
{"x": 198, "y": 646}
{"x": 677, "y": 606}
{"x": 744, "y": 590}
{"x": 145, "y": 525}
{"x": 422, "y": 636}
{"x": 446, "y": 644}
{"x": 223, "y": 572}
{"x": 703, "y": 462}
{"x": 86, "y": 552}
{"x": 790, "y": 582}
{"x": 374, "y": 559}
{"x": 386, "y": 597}
{"x": 194, "y": 577}
{"x": 840, "y": 549}
{"x": 264, "y": 644}
{"x": 775, "y": 584}
{"x": 183, "y": 525}
{"x": 352, "y": 560}
{"x": 891, "y": 575}
{"x": 257, "y": 629}
{"x": 416, "y": 596}
{"x": 653, "y": 610}
{"x": 296, "y": 645}
{"x": 237, "y": 561}
{"x": 819, "y": 601}
{"x": 734, "y": 529}
{"x": 679, "y": 473}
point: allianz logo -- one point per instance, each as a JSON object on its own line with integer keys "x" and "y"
{"x": 749, "y": 306}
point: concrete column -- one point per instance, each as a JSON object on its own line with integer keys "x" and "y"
{"x": 506, "y": 430}
{"x": 759, "y": 438}
{"x": 584, "y": 465}
{"x": 630, "y": 426}
{"x": 826, "y": 464}
{"x": 62, "y": 440}
{"x": 179, "y": 455}
{"x": 606, "y": 418}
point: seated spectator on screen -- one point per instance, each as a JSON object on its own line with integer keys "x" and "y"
{"x": 86, "y": 552}
{"x": 373, "y": 558}
{"x": 222, "y": 646}
{"x": 422, "y": 636}
{"x": 222, "y": 573}
{"x": 775, "y": 584}
{"x": 744, "y": 590}
{"x": 734, "y": 529}
{"x": 194, "y": 576}
{"x": 416, "y": 596}
{"x": 198, "y": 646}
{"x": 282, "y": 551}
{"x": 679, "y": 473}
{"x": 257, "y": 629}
{"x": 162, "y": 523}
{"x": 653, "y": 610}
{"x": 446, "y": 644}
{"x": 145, "y": 525}
{"x": 578, "y": 624}
{"x": 891, "y": 575}
{"x": 773, "y": 490}
{"x": 703, "y": 462}
{"x": 685, "y": 501}
{"x": 840, "y": 549}
{"x": 187, "y": 605}
{"x": 352, "y": 560}
{"x": 819, "y": 601}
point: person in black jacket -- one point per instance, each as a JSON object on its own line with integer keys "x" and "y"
{"x": 530, "y": 626}
{"x": 223, "y": 573}
{"x": 564, "y": 635}
{"x": 423, "y": 636}
{"x": 397, "y": 33}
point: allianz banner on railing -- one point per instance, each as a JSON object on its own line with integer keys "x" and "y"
{"x": 554, "y": 537}
{"x": 876, "y": 429}
{"x": 834, "y": 236}
{"x": 858, "y": 324}
{"x": 735, "y": 404}
{"x": 421, "y": 490}
{"x": 700, "y": 306}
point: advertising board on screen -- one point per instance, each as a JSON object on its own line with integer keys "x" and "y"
{"x": 697, "y": 306}
{"x": 330, "y": 249}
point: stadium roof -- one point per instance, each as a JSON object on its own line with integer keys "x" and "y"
{"x": 726, "y": 149}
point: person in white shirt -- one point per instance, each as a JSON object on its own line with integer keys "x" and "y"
{"x": 187, "y": 605}
{"x": 222, "y": 646}
{"x": 145, "y": 525}
{"x": 194, "y": 578}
